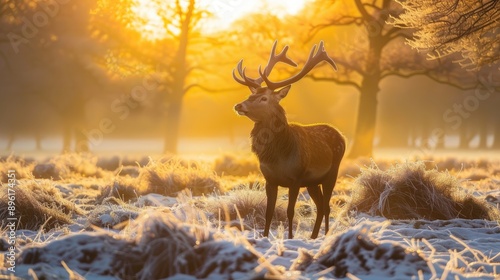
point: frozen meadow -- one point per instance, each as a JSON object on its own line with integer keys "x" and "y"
{"x": 88, "y": 217}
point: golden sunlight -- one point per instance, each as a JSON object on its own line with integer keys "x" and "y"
{"x": 147, "y": 20}
{"x": 223, "y": 14}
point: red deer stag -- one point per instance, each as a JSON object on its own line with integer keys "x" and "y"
{"x": 291, "y": 155}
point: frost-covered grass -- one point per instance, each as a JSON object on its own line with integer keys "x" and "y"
{"x": 410, "y": 191}
{"x": 88, "y": 217}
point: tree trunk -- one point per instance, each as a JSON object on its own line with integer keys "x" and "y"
{"x": 172, "y": 129}
{"x": 364, "y": 133}
{"x": 81, "y": 141}
{"x": 463, "y": 138}
{"x": 10, "y": 141}
{"x": 67, "y": 136}
{"x": 496, "y": 137}
{"x": 74, "y": 124}
{"x": 179, "y": 80}
{"x": 362, "y": 144}
{"x": 38, "y": 141}
{"x": 483, "y": 135}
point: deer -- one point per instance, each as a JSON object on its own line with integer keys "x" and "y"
{"x": 290, "y": 155}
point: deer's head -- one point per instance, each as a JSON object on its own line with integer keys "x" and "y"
{"x": 264, "y": 100}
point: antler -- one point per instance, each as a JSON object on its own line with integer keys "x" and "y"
{"x": 312, "y": 61}
{"x": 273, "y": 60}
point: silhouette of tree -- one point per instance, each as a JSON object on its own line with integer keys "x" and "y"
{"x": 49, "y": 57}
{"x": 181, "y": 58}
{"x": 375, "y": 51}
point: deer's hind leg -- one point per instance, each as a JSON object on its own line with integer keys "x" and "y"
{"x": 317, "y": 197}
{"x": 328, "y": 185}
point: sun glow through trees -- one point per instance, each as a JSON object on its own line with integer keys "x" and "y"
{"x": 220, "y": 14}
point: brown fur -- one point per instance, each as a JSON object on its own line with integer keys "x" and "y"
{"x": 293, "y": 155}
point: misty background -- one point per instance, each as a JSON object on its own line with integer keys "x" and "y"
{"x": 74, "y": 76}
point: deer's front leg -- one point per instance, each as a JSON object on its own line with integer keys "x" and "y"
{"x": 293, "y": 193}
{"x": 272, "y": 195}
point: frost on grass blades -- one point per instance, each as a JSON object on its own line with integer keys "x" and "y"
{"x": 84, "y": 218}
{"x": 11, "y": 221}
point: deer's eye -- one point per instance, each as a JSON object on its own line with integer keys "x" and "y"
{"x": 263, "y": 99}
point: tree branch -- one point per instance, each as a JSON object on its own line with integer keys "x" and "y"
{"x": 363, "y": 12}
{"x": 207, "y": 89}
{"x": 336, "y": 81}
{"x": 428, "y": 74}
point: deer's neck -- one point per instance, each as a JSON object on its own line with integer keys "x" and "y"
{"x": 272, "y": 138}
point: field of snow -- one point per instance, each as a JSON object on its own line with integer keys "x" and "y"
{"x": 87, "y": 217}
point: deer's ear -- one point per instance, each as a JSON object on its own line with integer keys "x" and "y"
{"x": 283, "y": 92}
{"x": 253, "y": 90}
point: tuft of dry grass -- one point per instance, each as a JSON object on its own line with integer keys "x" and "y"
{"x": 410, "y": 191}
{"x": 69, "y": 166}
{"x": 171, "y": 176}
{"x": 356, "y": 251}
{"x": 455, "y": 163}
{"x": 122, "y": 188}
{"x": 38, "y": 203}
{"x": 249, "y": 201}
{"x": 110, "y": 215}
{"x": 20, "y": 166}
{"x": 109, "y": 163}
{"x": 233, "y": 165}
{"x": 352, "y": 167}
{"x": 164, "y": 246}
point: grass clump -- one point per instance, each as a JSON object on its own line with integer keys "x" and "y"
{"x": 164, "y": 247}
{"x": 38, "y": 204}
{"x": 250, "y": 202}
{"x": 122, "y": 188}
{"x": 232, "y": 165}
{"x": 172, "y": 176}
{"x": 357, "y": 252}
{"x": 110, "y": 215}
{"x": 68, "y": 166}
{"x": 410, "y": 191}
{"x": 20, "y": 167}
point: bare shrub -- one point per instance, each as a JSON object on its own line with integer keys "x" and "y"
{"x": 37, "y": 204}
{"x": 409, "y": 191}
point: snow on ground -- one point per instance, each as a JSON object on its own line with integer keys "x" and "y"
{"x": 159, "y": 236}
{"x": 374, "y": 248}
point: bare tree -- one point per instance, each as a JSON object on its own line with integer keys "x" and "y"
{"x": 471, "y": 28}
{"x": 49, "y": 58}
{"x": 181, "y": 57}
{"x": 371, "y": 51}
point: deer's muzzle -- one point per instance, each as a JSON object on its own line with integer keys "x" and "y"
{"x": 240, "y": 110}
